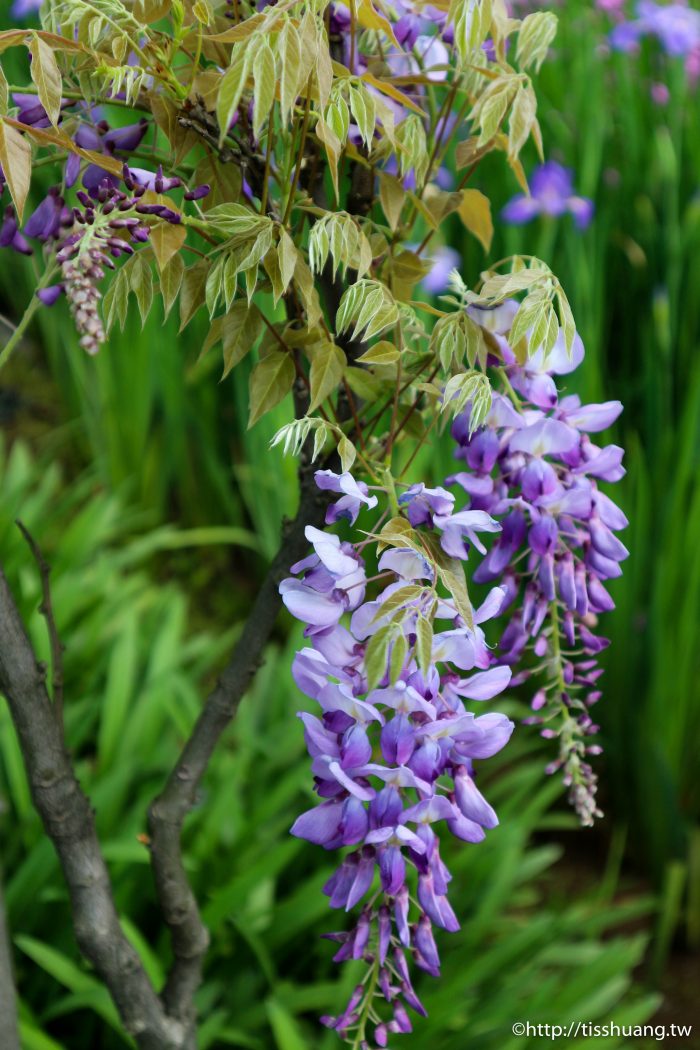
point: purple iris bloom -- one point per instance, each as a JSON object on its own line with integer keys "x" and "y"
{"x": 551, "y": 189}
{"x": 676, "y": 27}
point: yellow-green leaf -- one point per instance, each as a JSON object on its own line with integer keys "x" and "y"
{"x": 193, "y": 289}
{"x": 16, "y": 161}
{"x": 289, "y": 47}
{"x": 231, "y": 89}
{"x": 393, "y": 196}
{"x": 327, "y": 367}
{"x": 270, "y": 381}
{"x": 382, "y": 353}
{"x": 287, "y": 257}
{"x": 170, "y": 280}
{"x": 240, "y": 330}
{"x": 47, "y": 77}
{"x": 475, "y": 213}
{"x": 265, "y": 80}
{"x": 167, "y": 238}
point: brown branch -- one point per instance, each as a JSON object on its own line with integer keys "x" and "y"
{"x": 68, "y": 820}
{"x": 168, "y": 812}
{"x": 8, "y": 994}
{"x": 46, "y": 610}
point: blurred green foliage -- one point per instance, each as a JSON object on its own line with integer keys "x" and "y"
{"x": 168, "y": 530}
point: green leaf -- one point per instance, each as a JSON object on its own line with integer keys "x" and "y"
{"x": 382, "y": 353}
{"x": 215, "y": 283}
{"x": 451, "y": 573}
{"x": 399, "y": 652}
{"x": 170, "y": 281}
{"x": 167, "y": 239}
{"x": 471, "y": 389}
{"x": 115, "y": 304}
{"x": 231, "y": 88}
{"x": 235, "y": 220}
{"x": 534, "y": 39}
{"x": 287, "y": 257}
{"x": 47, "y": 77}
{"x": 369, "y": 306}
{"x": 194, "y": 282}
{"x": 4, "y": 93}
{"x": 240, "y": 331}
{"x": 363, "y": 109}
{"x": 424, "y": 643}
{"x": 472, "y": 22}
{"x": 142, "y": 285}
{"x": 293, "y": 76}
{"x": 376, "y": 655}
{"x": 347, "y": 453}
{"x": 475, "y": 213}
{"x": 393, "y": 197}
{"x": 523, "y": 117}
{"x": 265, "y": 80}
{"x": 270, "y": 381}
{"x": 327, "y": 367}
{"x": 413, "y": 147}
{"x": 304, "y": 281}
{"x": 398, "y": 600}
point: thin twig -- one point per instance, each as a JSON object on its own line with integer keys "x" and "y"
{"x": 46, "y": 610}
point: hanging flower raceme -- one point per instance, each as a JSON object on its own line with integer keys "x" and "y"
{"x": 110, "y": 222}
{"x": 536, "y": 469}
{"x": 391, "y": 664}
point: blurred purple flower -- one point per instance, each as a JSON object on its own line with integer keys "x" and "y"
{"x": 25, "y": 8}
{"x": 444, "y": 260}
{"x": 676, "y": 27}
{"x": 551, "y": 188}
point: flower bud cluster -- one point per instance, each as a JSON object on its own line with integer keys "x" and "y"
{"x": 80, "y": 277}
{"x": 394, "y": 747}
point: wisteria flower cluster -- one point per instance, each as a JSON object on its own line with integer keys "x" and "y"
{"x": 112, "y": 215}
{"x": 535, "y": 468}
{"x": 393, "y": 751}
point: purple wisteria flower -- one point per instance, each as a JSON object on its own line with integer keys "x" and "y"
{"x": 551, "y": 193}
{"x": 536, "y": 469}
{"x": 394, "y": 745}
